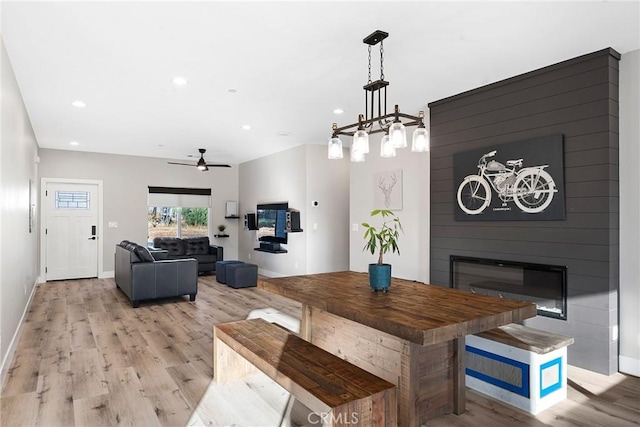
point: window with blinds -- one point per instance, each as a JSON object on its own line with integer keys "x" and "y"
{"x": 178, "y": 212}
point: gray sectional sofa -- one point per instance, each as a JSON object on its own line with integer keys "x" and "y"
{"x": 198, "y": 248}
{"x": 142, "y": 274}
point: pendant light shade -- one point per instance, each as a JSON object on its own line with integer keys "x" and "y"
{"x": 386, "y": 148}
{"x": 335, "y": 148}
{"x": 361, "y": 141}
{"x": 398, "y": 135}
{"x": 357, "y": 156}
{"x": 420, "y": 140}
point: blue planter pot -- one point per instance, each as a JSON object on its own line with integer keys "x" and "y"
{"x": 380, "y": 277}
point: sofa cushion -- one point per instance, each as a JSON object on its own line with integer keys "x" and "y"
{"x": 205, "y": 259}
{"x": 175, "y": 246}
{"x": 197, "y": 245}
{"x": 143, "y": 253}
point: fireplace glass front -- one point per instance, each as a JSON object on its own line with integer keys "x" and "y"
{"x": 544, "y": 285}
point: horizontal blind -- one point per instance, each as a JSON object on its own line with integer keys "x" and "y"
{"x": 184, "y": 197}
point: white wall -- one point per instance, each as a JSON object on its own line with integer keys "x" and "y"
{"x": 18, "y": 247}
{"x": 413, "y": 262}
{"x": 629, "y": 360}
{"x": 327, "y": 224}
{"x": 125, "y": 185}
{"x": 298, "y": 176}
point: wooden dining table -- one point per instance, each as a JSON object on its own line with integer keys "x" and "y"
{"x": 412, "y": 336}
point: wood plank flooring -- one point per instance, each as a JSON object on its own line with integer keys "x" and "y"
{"x": 86, "y": 358}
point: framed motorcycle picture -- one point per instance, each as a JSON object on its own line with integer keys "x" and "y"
{"x": 516, "y": 181}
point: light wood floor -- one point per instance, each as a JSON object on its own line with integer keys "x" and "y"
{"x": 86, "y": 358}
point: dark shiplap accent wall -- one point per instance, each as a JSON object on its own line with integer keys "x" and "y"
{"x": 579, "y": 99}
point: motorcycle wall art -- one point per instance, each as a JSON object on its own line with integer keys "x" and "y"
{"x": 522, "y": 180}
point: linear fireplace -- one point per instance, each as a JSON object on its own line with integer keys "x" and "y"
{"x": 544, "y": 285}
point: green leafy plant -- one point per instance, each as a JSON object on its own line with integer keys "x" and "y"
{"x": 385, "y": 238}
{"x": 221, "y": 228}
{"x": 195, "y": 216}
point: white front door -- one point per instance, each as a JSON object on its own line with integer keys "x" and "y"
{"x": 71, "y": 231}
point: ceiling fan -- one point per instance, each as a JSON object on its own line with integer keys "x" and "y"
{"x": 202, "y": 165}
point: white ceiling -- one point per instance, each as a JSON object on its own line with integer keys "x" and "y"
{"x": 292, "y": 64}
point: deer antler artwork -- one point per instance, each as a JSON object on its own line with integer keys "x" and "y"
{"x": 387, "y": 188}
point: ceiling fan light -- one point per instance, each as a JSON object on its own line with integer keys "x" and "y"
{"x": 335, "y": 148}
{"x": 386, "y": 149}
{"x": 420, "y": 140}
{"x": 398, "y": 135}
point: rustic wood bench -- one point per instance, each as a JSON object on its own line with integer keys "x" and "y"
{"x": 521, "y": 366}
{"x": 338, "y": 392}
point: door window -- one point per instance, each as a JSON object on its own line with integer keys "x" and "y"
{"x": 72, "y": 200}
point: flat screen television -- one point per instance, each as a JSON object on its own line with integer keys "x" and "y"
{"x": 271, "y": 219}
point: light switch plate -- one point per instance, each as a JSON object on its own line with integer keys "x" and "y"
{"x": 113, "y": 224}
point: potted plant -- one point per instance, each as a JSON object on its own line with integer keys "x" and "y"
{"x": 382, "y": 240}
{"x": 221, "y": 229}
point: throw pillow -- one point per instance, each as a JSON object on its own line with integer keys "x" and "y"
{"x": 144, "y": 254}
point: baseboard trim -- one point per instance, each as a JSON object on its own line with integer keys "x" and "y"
{"x": 107, "y": 275}
{"x": 629, "y": 365}
{"x": 8, "y": 359}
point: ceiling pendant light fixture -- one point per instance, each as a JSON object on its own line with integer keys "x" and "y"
{"x": 361, "y": 138}
{"x": 420, "y": 140}
{"x": 397, "y": 132}
{"x": 392, "y": 124}
{"x": 335, "y": 146}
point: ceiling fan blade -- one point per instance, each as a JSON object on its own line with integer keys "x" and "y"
{"x": 183, "y": 164}
{"x": 218, "y": 165}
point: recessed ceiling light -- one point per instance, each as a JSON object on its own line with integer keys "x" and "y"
{"x": 179, "y": 81}
{"x": 283, "y": 133}
{"x": 246, "y": 127}
{"x": 79, "y": 104}
{"x": 232, "y": 90}
{"x": 74, "y": 143}
{"x": 338, "y": 111}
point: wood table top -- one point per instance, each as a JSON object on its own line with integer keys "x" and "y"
{"x": 417, "y": 312}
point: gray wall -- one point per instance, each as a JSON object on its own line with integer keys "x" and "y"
{"x": 125, "y": 185}
{"x": 629, "y": 211}
{"x": 18, "y": 247}
{"x": 579, "y": 99}
{"x": 299, "y": 176}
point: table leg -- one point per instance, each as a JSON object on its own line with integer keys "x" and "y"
{"x": 305, "y": 323}
{"x": 424, "y": 375}
{"x": 459, "y": 391}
